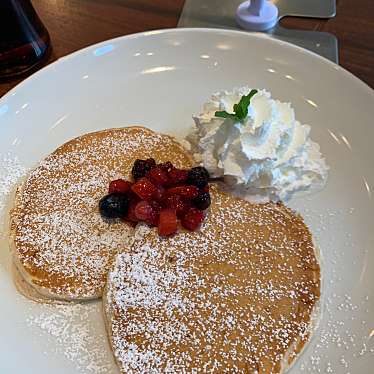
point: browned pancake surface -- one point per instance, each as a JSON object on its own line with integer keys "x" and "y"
{"x": 236, "y": 297}
{"x": 62, "y": 246}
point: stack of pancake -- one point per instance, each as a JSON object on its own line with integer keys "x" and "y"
{"x": 236, "y": 296}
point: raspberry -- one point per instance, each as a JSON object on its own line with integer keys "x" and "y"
{"x": 167, "y": 224}
{"x": 156, "y": 208}
{"x": 187, "y": 192}
{"x": 144, "y": 188}
{"x": 166, "y": 166}
{"x": 153, "y": 221}
{"x": 177, "y": 203}
{"x": 120, "y": 186}
{"x": 158, "y": 176}
{"x": 143, "y": 210}
{"x": 177, "y": 176}
{"x": 131, "y": 212}
{"x": 202, "y": 201}
{"x": 147, "y": 211}
{"x": 192, "y": 219}
{"x": 198, "y": 176}
{"x": 142, "y": 167}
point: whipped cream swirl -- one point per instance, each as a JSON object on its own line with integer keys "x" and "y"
{"x": 267, "y": 156}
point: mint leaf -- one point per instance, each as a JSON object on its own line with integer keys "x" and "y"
{"x": 224, "y": 114}
{"x": 240, "y": 109}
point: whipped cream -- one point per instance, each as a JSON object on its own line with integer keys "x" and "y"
{"x": 267, "y": 156}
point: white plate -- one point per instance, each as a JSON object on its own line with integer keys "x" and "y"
{"x": 160, "y": 79}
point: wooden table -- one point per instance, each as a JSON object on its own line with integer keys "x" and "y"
{"x": 74, "y": 24}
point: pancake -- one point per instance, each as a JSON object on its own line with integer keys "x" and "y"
{"x": 238, "y": 296}
{"x": 30, "y": 292}
{"x": 61, "y": 245}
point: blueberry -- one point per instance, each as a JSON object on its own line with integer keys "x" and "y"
{"x": 114, "y": 205}
{"x": 198, "y": 176}
{"x": 142, "y": 167}
{"x": 202, "y": 201}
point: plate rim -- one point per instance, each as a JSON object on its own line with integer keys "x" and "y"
{"x": 254, "y": 35}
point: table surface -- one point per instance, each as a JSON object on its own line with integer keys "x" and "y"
{"x": 75, "y": 24}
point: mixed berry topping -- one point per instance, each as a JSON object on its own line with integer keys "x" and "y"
{"x": 160, "y": 195}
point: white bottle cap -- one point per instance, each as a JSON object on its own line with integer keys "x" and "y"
{"x": 257, "y": 15}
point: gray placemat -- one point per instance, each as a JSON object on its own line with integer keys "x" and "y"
{"x": 221, "y": 14}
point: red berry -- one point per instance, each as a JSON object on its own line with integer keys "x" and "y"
{"x": 166, "y": 166}
{"x": 153, "y": 221}
{"x": 144, "y": 188}
{"x": 206, "y": 188}
{"x": 156, "y": 208}
{"x": 177, "y": 176}
{"x": 177, "y": 203}
{"x": 159, "y": 194}
{"x": 167, "y": 224}
{"x": 187, "y": 192}
{"x": 143, "y": 210}
{"x": 155, "y": 205}
{"x": 158, "y": 176}
{"x": 147, "y": 212}
{"x": 120, "y": 186}
{"x": 192, "y": 219}
{"x": 131, "y": 212}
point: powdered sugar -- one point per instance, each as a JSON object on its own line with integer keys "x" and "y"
{"x": 75, "y": 331}
{"x": 343, "y": 338}
{"x": 59, "y": 233}
{"x": 11, "y": 170}
{"x": 215, "y": 299}
{"x": 338, "y": 344}
{"x": 145, "y": 284}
